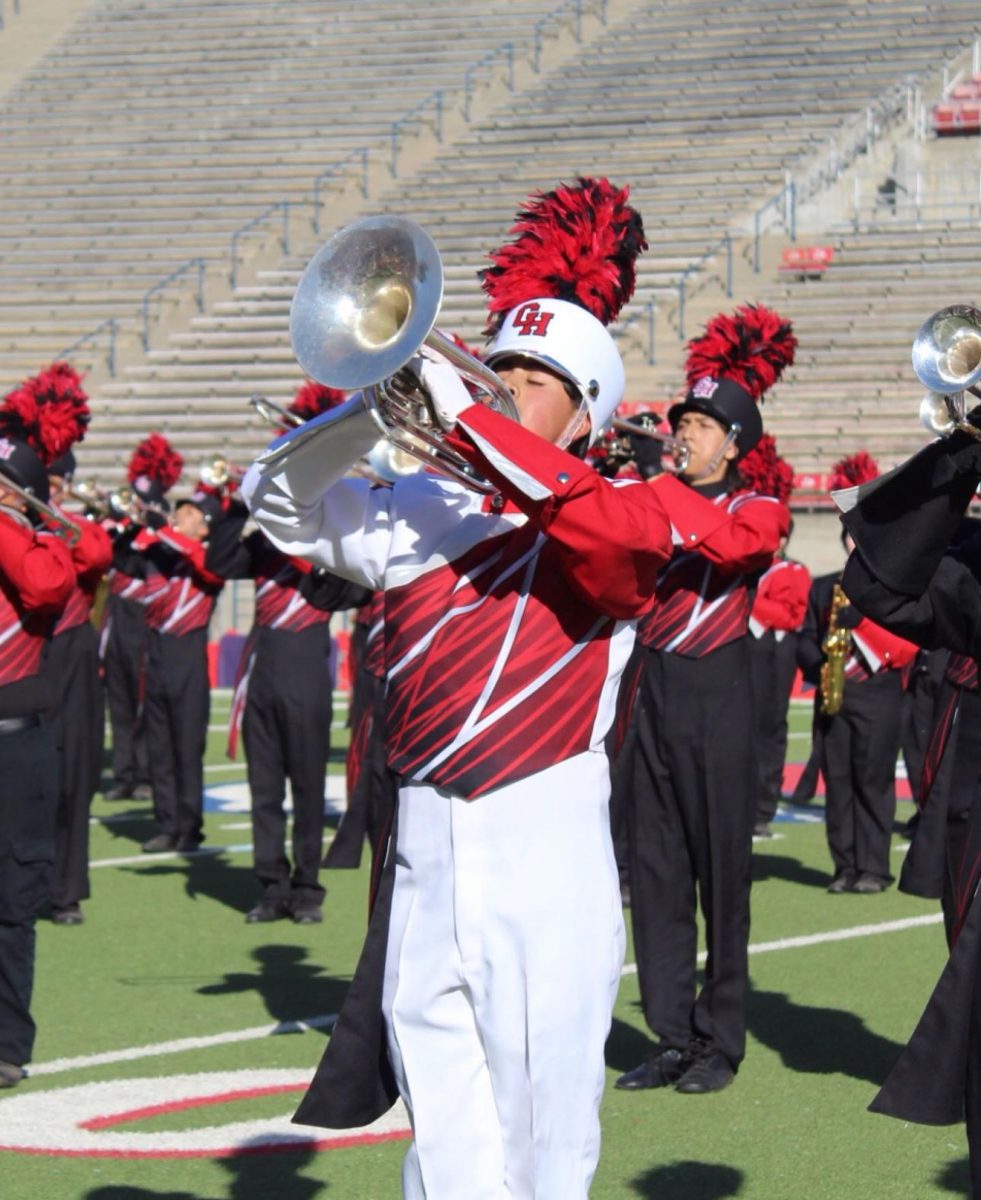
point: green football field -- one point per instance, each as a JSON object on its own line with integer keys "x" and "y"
{"x": 174, "y": 1039}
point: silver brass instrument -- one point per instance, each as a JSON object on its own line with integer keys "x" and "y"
{"x": 273, "y": 413}
{"x": 947, "y": 361}
{"x": 365, "y": 305}
{"x": 674, "y": 453}
{"x": 218, "y": 472}
{"x": 115, "y": 503}
{"x": 57, "y": 523}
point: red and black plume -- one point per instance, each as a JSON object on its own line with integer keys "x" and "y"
{"x": 577, "y": 243}
{"x": 764, "y": 471}
{"x": 852, "y": 470}
{"x": 750, "y": 348}
{"x": 314, "y": 398}
{"x": 49, "y": 411}
{"x": 155, "y": 459}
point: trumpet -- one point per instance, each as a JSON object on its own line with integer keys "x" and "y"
{"x": 272, "y": 413}
{"x": 365, "y": 305}
{"x": 218, "y": 472}
{"x": 57, "y": 522}
{"x": 111, "y": 503}
{"x": 947, "y": 361}
{"x": 674, "y": 453}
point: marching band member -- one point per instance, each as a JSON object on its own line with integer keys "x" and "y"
{"x": 695, "y": 786}
{"x": 36, "y": 577}
{"x": 180, "y": 594}
{"x": 154, "y": 467}
{"x": 495, "y": 945}
{"x": 916, "y": 570}
{"x": 71, "y": 662}
{"x": 774, "y": 623}
{"x": 860, "y": 739}
{"x": 283, "y": 703}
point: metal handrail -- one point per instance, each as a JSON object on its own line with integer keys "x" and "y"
{"x": 413, "y": 114}
{"x": 16, "y": 8}
{"x": 554, "y": 16}
{"x": 362, "y": 153}
{"x": 239, "y": 233}
{"x": 159, "y": 287}
{"x": 468, "y": 79}
{"x": 112, "y": 325}
{"x": 785, "y": 198}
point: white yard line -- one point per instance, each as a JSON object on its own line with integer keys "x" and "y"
{"x": 180, "y": 1045}
{"x": 833, "y": 935}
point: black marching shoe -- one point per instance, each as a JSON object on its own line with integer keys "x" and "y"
{"x": 307, "y": 913}
{"x": 143, "y": 792}
{"x": 710, "y": 1072}
{"x": 844, "y": 881}
{"x": 268, "y": 910}
{"x": 664, "y": 1067}
{"x": 869, "y": 885}
{"x": 10, "y": 1074}
{"x": 118, "y": 792}
{"x": 160, "y": 843}
{"x": 71, "y": 914}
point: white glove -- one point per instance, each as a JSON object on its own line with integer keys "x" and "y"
{"x": 447, "y": 390}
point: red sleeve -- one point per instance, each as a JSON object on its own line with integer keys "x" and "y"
{"x": 880, "y": 648}
{"x": 742, "y": 540}
{"x": 193, "y": 551}
{"x": 781, "y": 600}
{"x": 38, "y": 567}
{"x": 92, "y": 553}
{"x": 612, "y": 540}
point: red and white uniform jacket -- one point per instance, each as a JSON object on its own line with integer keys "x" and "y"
{"x": 36, "y": 577}
{"x": 507, "y": 622}
{"x": 781, "y": 599}
{"x": 180, "y": 592}
{"x": 91, "y": 556}
{"x": 705, "y": 593}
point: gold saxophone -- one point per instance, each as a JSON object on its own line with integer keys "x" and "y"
{"x": 836, "y": 647}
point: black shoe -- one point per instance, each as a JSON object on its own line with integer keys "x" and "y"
{"x": 118, "y": 792}
{"x": 268, "y": 910}
{"x": 844, "y": 881}
{"x": 710, "y": 1072}
{"x": 10, "y": 1074}
{"x": 307, "y": 913}
{"x": 143, "y": 793}
{"x": 664, "y": 1067}
{"x": 187, "y": 845}
{"x": 869, "y": 885}
{"x": 160, "y": 844}
{"x": 762, "y": 830}
{"x": 71, "y": 914}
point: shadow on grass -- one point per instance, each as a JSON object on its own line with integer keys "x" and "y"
{"x": 820, "y": 1041}
{"x": 956, "y": 1177}
{"x": 212, "y": 875}
{"x": 689, "y": 1181}
{"x": 256, "y": 1174}
{"x": 626, "y": 1046}
{"x": 779, "y": 866}
{"x": 282, "y": 978}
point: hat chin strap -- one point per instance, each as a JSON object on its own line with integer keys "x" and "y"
{"x": 716, "y": 460}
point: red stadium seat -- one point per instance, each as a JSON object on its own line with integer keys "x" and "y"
{"x": 806, "y": 262}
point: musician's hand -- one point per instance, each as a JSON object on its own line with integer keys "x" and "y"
{"x": 447, "y": 390}
{"x": 849, "y": 617}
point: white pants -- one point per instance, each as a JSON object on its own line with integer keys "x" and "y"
{"x": 504, "y": 956}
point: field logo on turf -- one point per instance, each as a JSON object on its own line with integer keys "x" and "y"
{"x": 93, "y": 1119}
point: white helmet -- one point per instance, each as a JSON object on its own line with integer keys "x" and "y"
{"x": 573, "y": 343}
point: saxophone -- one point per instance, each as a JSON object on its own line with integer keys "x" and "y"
{"x": 836, "y": 647}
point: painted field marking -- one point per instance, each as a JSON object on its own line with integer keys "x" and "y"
{"x": 88, "y": 1120}
{"x": 180, "y": 1045}
{"x": 820, "y": 939}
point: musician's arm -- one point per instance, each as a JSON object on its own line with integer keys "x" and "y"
{"x": 298, "y": 496}
{"x": 612, "y": 540}
{"x": 809, "y": 652}
{"x": 905, "y": 574}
